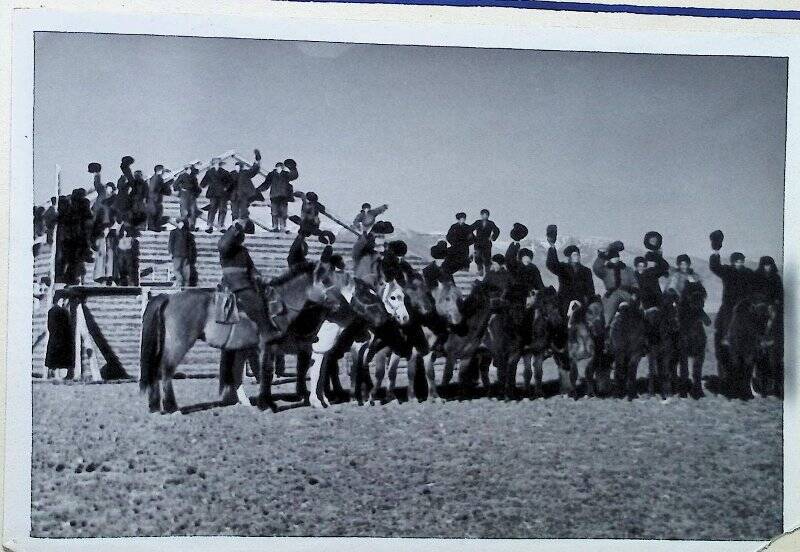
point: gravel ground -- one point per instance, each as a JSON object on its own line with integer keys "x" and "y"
{"x": 554, "y": 468}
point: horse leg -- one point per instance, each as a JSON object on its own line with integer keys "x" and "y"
{"x": 567, "y": 381}
{"x": 588, "y": 375}
{"x": 511, "y": 375}
{"x": 527, "y": 373}
{"x": 226, "y": 379}
{"x": 632, "y": 365}
{"x": 485, "y": 363}
{"x": 411, "y": 371}
{"x": 169, "y": 402}
{"x": 447, "y": 375}
{"x": 697, "y": 374}
{"x": 317, "y": 371}
{"x": 303, "y": 364}
{"x": 154, "y": 394}
{"x": 652, "y": 372}
{"x": 430, "y": 375}
{"x": 266, "y": 371}
{"x": 683, "y": 374}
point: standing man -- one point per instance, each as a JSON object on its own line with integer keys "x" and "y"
{"x": 485, "y": 232}
{"x": 575, "y": 281}
{"x": 460, "y": 237}
{"x": 219, "y": 184}
{"x": 180, "y": 248}
{"x": 156, "y": 190}
{"x": 244, "y": 190}
{"x": 619, "y": 279}
{"x": 281, "y": 192}
{"x": 366, "y": 217}
{"x": 50, "y": 219}
{"x": 737, "y": 283}
{"x": 188, "y": 190}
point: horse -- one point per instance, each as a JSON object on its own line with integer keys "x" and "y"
{"x": 692, "y": 337}
{"x": 747, "y": 334}
{"x": 628, "y": 345}
{"x": 661, "y": 333}
{"x": 586, "y": 332}
{"x": 172, "y": 323}
{"x": 768, "y": 375}
{"x": 548, "y": 337}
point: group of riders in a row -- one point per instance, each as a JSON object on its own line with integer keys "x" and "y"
{"x": 512, "y": 280}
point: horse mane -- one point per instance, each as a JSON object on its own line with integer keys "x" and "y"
{"x": 287, "y": 276}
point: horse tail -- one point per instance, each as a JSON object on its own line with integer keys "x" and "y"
{"x": 152, "y": 347}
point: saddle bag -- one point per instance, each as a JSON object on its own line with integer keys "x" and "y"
{"x": 226, "y": 310}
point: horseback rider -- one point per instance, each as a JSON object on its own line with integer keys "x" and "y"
{"x": 497, "y": 278}
{"x": 618, "y": 278}
{"x": 433, "y": 272}
{"x": 485, "y": 232}
{"x": 240, "y": 275}
{"x": 394, "y": 265}
{"x": 575, "y": 282}
{"x": 649, "y": 269}
{"x": 524, "y": 276}
{"x": 737, "y": 284}
{"x": 367, "y": 255}
{"x": 682, "y": 275}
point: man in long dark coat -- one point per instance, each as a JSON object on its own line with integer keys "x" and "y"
{"x": 485, "y": 232}
{"x": 157, "y": 188}
{"x": 219, "y": 184}
{"x": 60, "y": 352}
{"x": 281, "y": 192}
{"x": 188, "y": 190}
{"x": 575, "y": 282}
{"x": 460, "y": 237}
{"x": 244, "y": 190}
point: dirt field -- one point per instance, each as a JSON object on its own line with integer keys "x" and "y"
{"x": 554, "y": 468}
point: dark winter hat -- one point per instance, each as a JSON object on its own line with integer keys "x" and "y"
{"x": 499, "y": 259}
{"x": 311, "y": 196}
{"x": 382, "y": 227}
{"x": 241, "y": 163}
{"x": 439, "y": 251}
{"x": 525, "y": 252}
{"x": 519, "y": 231}
{"x": 291, "y": 163}
{"x": 737, "y": 256}
{"x": 766, "y": 260}
{"x": 365, "y": 206}
{"x": 398, "y": 247}
{"x": 552, "y": 232}
{"x": 94, "y": 167}
{"x": 337, "y": 261}
{"x": 616, "y": 246}
{"x": 127, "y": 160}
{"x": 639, "y": 260}
{"x": 327, "y": 237}
{"x": 683, "y": 258}
{"x": 486, "y": 211}
{"x": 653, "y": 240}
{"x": 158, "y": 168}
{"x": 651, "y": 256}
{"x": 461, "y": 215}
{"x": 716, "y": 238}
{"x": 570, "y": 249}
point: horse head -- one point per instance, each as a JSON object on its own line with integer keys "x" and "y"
{"x": 418, "y": 297}
{"x": 394, "y": 299}
{"x": 545, "y": 305}
{"x": 326, "y": 283}
{"x": 368, "y": 305}
{"x": 448, "y": 298}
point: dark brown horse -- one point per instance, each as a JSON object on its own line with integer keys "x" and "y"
{"x": 586, "y": 333}
{"x": 661, "y": 331}
{"x": 748, "y": 334}
{"x": 548, "y": 338}
{"x": 692, "y": 337}
{"x": 172, "y": 323}
{"x": 628, "y": 345}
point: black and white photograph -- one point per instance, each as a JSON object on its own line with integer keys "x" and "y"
{"x": 317, "y": 288}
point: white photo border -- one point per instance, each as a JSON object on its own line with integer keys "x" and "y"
{"x": 17, "y": 496}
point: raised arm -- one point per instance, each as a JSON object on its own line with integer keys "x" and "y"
{"x": 511, "y": 256}
{"x": 599, "y": 267}
{"x": 716, "y": 265}
{"x": 552, "y": 264}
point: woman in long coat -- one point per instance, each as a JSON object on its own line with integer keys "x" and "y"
{"x": 60, "y": 351}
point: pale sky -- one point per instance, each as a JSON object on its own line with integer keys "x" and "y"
{"x": 605, "y": 145}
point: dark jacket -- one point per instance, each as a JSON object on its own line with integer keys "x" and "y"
{"x": 485, "y": 234}
{"x": 244, "y": 188}
{"x": 396, "y": 269}
{"x": 736, "y": 284}
{"x": 769, "y": 284}
{"x": 218, "y": 182}
{"x": 522, "y": 279}
{"x": 460, "y": 237}
{"x": 181, "y": 242}
{"x": 187, "y": 187}
{"x": 649, "y": 287}
{"x": 234, "y": 255}
{"x": 575, "y": 282}
{"x": 279, "y": 185}
{"x": 60, "y": 347}
{"x": 156, "y": 190}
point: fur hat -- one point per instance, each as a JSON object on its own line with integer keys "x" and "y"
{"x": 311, "y": 196}
{"x": 337, "y": 261}
{"x": 519, "y": 232}
{"x": 485, "y": 211}
{"x": 499, "y": 258}
{"x": 716, "y": 238}
{"x": 439, "y": 251}
{"x": 737, "y": 256}
{"x": 94, "y": 167}
{"x": 552, "y": 232}
{"x": 217, "y": 160}
{"x": 398, "y": 247}
{"x": 158, "y": 168}
{"x": 766, "y": 260}
{"x": 525, "y": 252}
{"x": 327, "y": 237}
{"x": 639, "y": 260}
{"x": 616, "y": 246}
{"x": 127, "y": 161}
{"x": 291, "y": 163}
{"x": 570, "y": 249}
{"x": 365, "y": 206}
{"x": 461, "y": 215}
{"x": 652, "y": 256}
{"x": 683, "y": 258}
{"x": 652, "y": 240}
{"x": 382, "y": 227}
